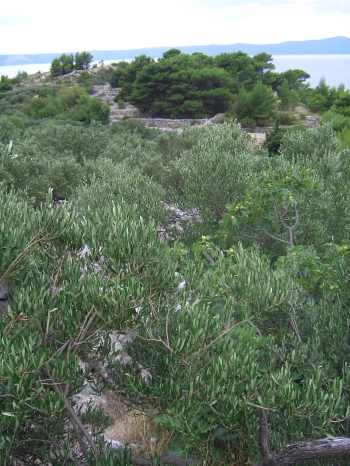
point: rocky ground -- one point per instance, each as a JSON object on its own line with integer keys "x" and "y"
{"x": 178, "y": 221}
{"x": 117, "y": 111}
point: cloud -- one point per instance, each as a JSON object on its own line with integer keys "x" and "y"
{"x": 338, "y": 6}
{"x": 12, "y": 21}
{"x": 319, "y": 6}
{"x": 29, "y": 26}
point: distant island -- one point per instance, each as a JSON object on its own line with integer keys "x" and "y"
{"x": 332, "y": 46}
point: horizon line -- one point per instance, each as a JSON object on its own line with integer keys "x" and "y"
{"x": 155, "y": 47}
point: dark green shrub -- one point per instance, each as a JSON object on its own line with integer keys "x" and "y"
{"x": 66, "y": 63}
{"x": 257, "y": 105}
{"x": 285, "y": 118}
{"x": 274, "y": 140}
{"x": 5, "y": 84}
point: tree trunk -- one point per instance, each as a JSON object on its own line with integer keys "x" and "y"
{"x": 318, "y": 449}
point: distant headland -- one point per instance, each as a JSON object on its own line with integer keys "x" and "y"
{"x": 330, "y": 46}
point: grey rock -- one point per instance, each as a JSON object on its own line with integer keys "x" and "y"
{"x": 119, "y": 341}
{"x": 146, "y": 375}
{"x": 85, "y": 251}
{"x": 55, "y": 291}
{"x": 312, "y": 121}
{"x": 113, "y": 444}
{"x": 177, "y": 222}
{"x": 124, "y": 359}
{"x": 87, "y": 399}
{"x": 108, "y": 94}
{"x": 181, "y": 286}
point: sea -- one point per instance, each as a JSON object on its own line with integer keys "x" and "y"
{"x": 335, "y": 69}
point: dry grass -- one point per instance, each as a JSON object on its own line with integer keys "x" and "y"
{"x": 134, "y": 428}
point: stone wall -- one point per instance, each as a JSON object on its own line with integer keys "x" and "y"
{"x": 179, "y": 123}
{"x": 172, "y": 124}
{"x": 117, "y": 111}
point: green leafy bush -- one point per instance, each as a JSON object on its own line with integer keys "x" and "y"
{"x": 71, "y": 103}
{"x": 244, "y": 339}
{"x": 54, "y": 289}
{"x": 217, "y": 169}
{"x": 345, "y": 138}
{"x": 253, "y": 314}
{"x": 312, "y": 143}
{"x": 256, "y": 106}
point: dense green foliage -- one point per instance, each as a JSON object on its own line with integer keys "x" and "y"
{"x": 333, "y": 104}
{"x": 71, "y": 103}
{"x": 247, "y": 308}
{"x": 256, "y": 107}
{"x": 66, "y": 63}
{"x": 195, "y": 86}
{"x": 7, "y": 84}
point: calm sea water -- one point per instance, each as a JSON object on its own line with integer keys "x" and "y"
{"x": 12, "y": 70}
{"x": 334, "y": 68}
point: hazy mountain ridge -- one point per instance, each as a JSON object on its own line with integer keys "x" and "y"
{"x": 334, "y": 45}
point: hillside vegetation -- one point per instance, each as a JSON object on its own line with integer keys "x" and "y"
{"x": 232, "y": 322}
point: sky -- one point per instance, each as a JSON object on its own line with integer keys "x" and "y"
{"x": 39, "y": 26}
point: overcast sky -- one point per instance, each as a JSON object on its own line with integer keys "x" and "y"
{"x": 34, "y": 26}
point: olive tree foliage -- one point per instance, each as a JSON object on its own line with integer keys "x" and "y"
{"x": 259, "y": 330}
{"x": 54, "y": 288}
{"x": 60, "y": 154}
{"x": 245, "y": 337}
{"x": 315, "y": 143}
{"x": 50, "y": 156}
{"x": 279, "y": 211}
{"x": 296, "y": 198}
{"x": 119, "y": 182}
{"x": 251, "y": 316}
{"x": 263, "y": 320}
{"x": 217, "y": 170}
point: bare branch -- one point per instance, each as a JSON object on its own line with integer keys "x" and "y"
{"x": 331, "y": 447}
{"x": 80, "y": 430}
{"x": 290, "y": 228}
{"x": 158, "y": 340}
{"x": 277, "y": 238}
{"x": 264, "y": 436}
